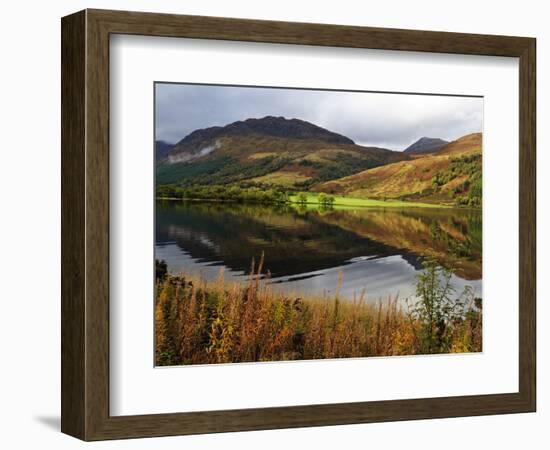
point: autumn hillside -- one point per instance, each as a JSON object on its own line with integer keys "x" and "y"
{"x": 452, "y": 175}
{"x": 265, "y": 153}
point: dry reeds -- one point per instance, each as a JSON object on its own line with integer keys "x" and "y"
{"x": 199, "y": 322}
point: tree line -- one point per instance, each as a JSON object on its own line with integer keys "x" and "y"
{"x": 223, "y": 193}
{"x": 241, "y": 194}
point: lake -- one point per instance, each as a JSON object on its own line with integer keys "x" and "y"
{"x": 378, "y": 251}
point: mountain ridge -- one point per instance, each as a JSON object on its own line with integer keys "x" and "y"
{"x": 275, "y": 126}
{"x": 267, "y": 152}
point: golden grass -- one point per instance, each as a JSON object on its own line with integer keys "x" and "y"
{"x": 281, "y": 178}
{"x": 406, "y": 177}
{"x": 261, "y": 155}
{"x": 199, "y": 322}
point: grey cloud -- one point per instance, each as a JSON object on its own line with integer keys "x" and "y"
{"x": 385, "y": 120}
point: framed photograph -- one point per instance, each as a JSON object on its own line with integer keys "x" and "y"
{"x": 273, "y": 225}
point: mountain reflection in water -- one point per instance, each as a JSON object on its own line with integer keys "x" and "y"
{"x": 377, "y": 251}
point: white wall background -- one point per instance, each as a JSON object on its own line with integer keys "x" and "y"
{"x": 30, "y": 221}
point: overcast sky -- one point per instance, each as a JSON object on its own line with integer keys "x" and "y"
{"x": 377, "y": 119}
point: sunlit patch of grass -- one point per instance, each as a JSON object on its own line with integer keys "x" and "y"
{"x": 261, "y": 155}
{"x": 281, "y": 178}
{"x": 340, "y": 200}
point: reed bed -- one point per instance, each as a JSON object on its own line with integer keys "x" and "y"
{"x": 200, "y": 322}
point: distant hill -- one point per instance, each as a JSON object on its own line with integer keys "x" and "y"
{"x": 266, "y": 152}
{"x": 161, "y": 150}
{"x": 426, "y": 145}
{"x": 452, "y": 175}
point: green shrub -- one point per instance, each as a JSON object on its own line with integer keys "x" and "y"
{"x": 439, "y": 310}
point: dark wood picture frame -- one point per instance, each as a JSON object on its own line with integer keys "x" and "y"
{"x": 85, "y": 224}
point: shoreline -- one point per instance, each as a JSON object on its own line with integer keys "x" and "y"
{"x": 212, "y": 322}
{"x": 355, "y": 203}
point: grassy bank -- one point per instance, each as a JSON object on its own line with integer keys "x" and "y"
{"x": 342, "y": 201}
{"x": 199, "y": 322}
{"x": 254, "y": 194}
{"x": 313, "y": 202}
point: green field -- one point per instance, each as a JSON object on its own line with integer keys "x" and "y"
{"x": 341, "y": 201}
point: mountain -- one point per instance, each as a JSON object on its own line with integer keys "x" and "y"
{"x": 426, "y": 145}
{"x": 266, "y": 152}
{"x": 202, "y": 142}
{"x": 161, "y": 150}
{"x": 452, "y": 176}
